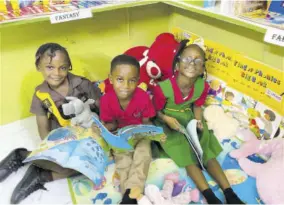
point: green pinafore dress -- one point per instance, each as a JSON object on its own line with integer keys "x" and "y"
{"x": 176, "y": 146}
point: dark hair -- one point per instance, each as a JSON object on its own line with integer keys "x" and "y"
{"x": 181, "y": 48}
{"x": 52, "y": 48}
{"x": 271, "y": 114}
{"x": 126, "y": 60}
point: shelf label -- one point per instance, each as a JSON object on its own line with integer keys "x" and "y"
{"x": 274, "y": 36}
{"x": 71, "y": 15}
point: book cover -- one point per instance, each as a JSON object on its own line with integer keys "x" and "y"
{"x": 268, "y": 121}
{"x": 88, "y": 152}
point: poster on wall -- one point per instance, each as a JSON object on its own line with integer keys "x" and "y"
{"x": 181, "y": 34}
{"x": 268, "y": 121}
{"x": 219, "y": 60}
{"x": 259, "y": 81}
{"x": 255, "y": 79}
{"x": 216, "y": 90}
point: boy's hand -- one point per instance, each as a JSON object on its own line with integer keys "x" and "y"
{"x": 96, "y": 129}
{"x": 199, "y": 124}
{"x": 163, "y": 138}
{"x": 172, "y": 123}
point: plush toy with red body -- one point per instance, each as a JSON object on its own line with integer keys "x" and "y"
{"x": 155, "y": 61}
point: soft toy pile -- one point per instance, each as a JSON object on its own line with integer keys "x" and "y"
{"x": 172, "y": 192}
{"x": 222, "y": 124}
{"x": 269, "y": 175}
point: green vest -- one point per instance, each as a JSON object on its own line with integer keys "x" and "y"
{"x": 182, "y": 112}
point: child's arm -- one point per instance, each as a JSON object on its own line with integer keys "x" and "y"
{"x": 197, "y": 106}
{"x": 147, "y": 121}
{"x": 95, "y": 94}
{"x": 43, "y": 125}
{"x": 111, "y": 126}
{"x": 170, "y": 121}
{"x": 197, "y": 111}
{"x": 159, "y": 102}
{"x": 106, "y": 114}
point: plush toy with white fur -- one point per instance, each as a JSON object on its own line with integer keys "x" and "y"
{"x": 222, "y": 124}
{"x": 82, "y": 111}
{"x": 170, "y": 194}
{"x": 269, "y": 175}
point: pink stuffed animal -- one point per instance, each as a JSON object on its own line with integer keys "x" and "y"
{"x": 269, "y": 175}
{"x": 153, "y": 195}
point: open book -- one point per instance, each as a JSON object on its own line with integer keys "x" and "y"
{"x": 191, "y": 135}
{"x": 87, "y": 152}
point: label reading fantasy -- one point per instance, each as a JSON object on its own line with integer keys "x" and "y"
{"x": 70, "y": 16}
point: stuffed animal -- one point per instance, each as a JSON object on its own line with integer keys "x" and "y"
{"x": 81, "y": 110}
{"x": 155, "y": 61}
{"x": 269, "y": 175}
{"x": 222, "y": 124}
{"x": 170, "y": 194}
{"x": 160, "y": 58}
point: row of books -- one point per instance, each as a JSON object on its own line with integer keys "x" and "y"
{"x": 19, "y": 9}
{"x": 266, "y": 12}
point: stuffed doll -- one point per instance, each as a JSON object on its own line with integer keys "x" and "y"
{"x": 81, "y": 110}
{"x": 170, "y": 194}
{"x": 269, "y": 175}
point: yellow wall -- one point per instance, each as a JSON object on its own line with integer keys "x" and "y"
{"x": 91, "y": 43}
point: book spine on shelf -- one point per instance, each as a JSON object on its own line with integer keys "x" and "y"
{"x": 209, "y": 3}
{"x": 227, "y": 7}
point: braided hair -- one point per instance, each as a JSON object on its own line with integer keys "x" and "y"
{"x": 51, "y": 48}
{"x": 182, "y": 47}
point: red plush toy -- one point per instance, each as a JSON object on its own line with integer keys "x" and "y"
{"x": 155, "y": 62}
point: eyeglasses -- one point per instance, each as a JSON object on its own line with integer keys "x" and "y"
{"x": 188, "y": 60}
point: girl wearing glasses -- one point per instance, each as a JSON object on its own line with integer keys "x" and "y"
{"x": 178, "y": 100}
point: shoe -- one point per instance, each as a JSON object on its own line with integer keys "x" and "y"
{"x": 231, "y": 197}
{"x": 126, "y": 199}
{"x": 210, "y": 197}
{"x": 33, "y": 180}
{"x": 11, "y": 163}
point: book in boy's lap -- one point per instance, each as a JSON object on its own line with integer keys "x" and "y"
{"x": 87, "y": 152}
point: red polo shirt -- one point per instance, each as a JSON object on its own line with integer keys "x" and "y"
{"x": 139, "y": 107}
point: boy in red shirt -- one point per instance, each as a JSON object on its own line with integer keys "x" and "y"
{"x": 126, "y": 105}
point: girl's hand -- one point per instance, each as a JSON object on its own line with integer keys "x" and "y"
{"x": 199, "y": 124}
{"x": 172, "y": 123}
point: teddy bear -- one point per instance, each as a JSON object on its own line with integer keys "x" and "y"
{"x": 159, "y": 64}
{"x": 171, "y": 193}
{"x": 155, "y": 61}
{"x": 269, "y": 175}
{"x": 222, "y": 124}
